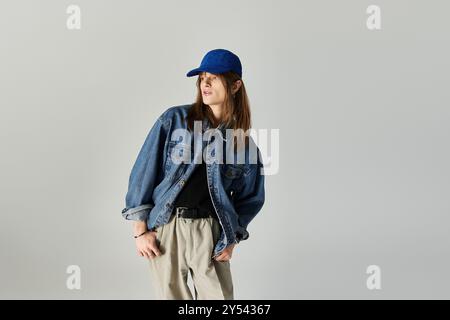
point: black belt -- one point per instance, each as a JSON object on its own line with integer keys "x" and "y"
{"x": 193, "y": 213}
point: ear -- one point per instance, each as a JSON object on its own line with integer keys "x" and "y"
{"x": 236, "y": 86}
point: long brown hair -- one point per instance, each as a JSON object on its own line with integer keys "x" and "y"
{"x": 236, "y": 108}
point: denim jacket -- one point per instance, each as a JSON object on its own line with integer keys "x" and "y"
{"x": 236, "y": 189}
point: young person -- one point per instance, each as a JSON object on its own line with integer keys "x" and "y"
{"x": 192, "y": 205}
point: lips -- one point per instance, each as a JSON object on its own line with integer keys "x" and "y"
{"x": 206, "y": 93}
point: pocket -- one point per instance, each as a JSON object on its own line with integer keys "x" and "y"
{"x": 215, "y": 229}
{"x": 168, "y": 163}
{"x": 232, "y": 171}
{"x": 232, "y": 176}
{"x": 177, "y": 154}
{"x": 158, "y": 238}
{"x": 158, "y": 232}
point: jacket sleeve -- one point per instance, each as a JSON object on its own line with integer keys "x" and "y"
{"x": 145, "y": 174}
{"x": 249, "y": 201}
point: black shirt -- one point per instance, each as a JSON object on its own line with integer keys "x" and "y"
{"x": 195, "y": 193}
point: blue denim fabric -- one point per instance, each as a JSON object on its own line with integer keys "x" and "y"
{"x": 236, "y": 189}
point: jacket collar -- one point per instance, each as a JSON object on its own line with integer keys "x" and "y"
{"x": 207, "y": 125}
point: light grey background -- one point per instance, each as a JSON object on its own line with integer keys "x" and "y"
{"x": 364, "y": 139}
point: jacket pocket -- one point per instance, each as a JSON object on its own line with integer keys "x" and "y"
{"x": 232, "y": 171}
{"x": 177, "y": 154}
{"x": 232, "y": 176}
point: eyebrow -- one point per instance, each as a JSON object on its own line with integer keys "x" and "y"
{"x": 203, "y": 75}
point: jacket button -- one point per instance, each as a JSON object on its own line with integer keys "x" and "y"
{"x": 182, "y": 182}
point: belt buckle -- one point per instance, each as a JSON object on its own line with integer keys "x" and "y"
{"x": 179, "y": 210}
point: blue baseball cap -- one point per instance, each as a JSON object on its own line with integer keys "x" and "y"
{"x": 218, "y": 61}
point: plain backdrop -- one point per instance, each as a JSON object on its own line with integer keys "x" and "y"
{"x": 364, "y": 141}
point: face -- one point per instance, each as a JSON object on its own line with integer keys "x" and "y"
{"x": 212, "y": 89}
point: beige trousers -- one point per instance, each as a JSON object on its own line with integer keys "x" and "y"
{"x": 187, "y": 245}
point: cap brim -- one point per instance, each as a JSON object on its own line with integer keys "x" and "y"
{"x": 198, "y": 70}
{"x": 193, "y": 72}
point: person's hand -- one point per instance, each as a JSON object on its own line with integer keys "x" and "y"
{"x": 147, "y": 245}
{"x": 226, "y": 253}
